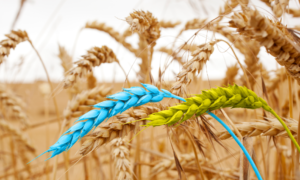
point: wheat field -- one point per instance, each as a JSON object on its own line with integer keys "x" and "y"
{"x": 162, "y": 120}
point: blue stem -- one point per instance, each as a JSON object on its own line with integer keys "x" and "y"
{"x": 239, "y": 143}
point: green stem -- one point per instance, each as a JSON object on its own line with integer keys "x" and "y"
{"x": 287, "y": 130}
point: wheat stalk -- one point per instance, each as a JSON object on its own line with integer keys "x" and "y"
{"x": 120, "y": 153}
{"x": 95, "y": 57}
{"x": 272, "y": 35}
{"x": 14, "y": 38}
{"x": 131, "y": 97}
{"x": 120, "y": 128}
{"x": 269, "y": 127}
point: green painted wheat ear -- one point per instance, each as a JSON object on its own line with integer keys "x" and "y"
{"x": 216, "y": 98}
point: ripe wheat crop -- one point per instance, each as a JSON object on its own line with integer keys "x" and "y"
{"x": 174, "y": 123}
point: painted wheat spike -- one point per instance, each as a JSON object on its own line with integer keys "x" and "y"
{"x": 120, "y": 128}
{"x": 130, "y": 97}
{"x": 14, "y": 38}
{"x": 274, "y": 36}
{"x": 270, "y": 127}
{"x": 95, "y": 57}
{"x": 196, "y": 64}
{"x": 145, "y": 24}
{"x": 120, "y": 153}
{"x": 232, "y": 96}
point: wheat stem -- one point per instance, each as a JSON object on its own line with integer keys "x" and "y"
{"x": 239, "y": 143}
{"x": 287, "y": 130}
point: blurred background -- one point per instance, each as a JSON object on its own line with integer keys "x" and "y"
{"x": 58, "y": 22}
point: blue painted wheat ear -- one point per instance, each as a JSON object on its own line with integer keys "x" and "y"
{"x": 130, "y": 97}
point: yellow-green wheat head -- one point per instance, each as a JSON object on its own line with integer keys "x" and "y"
{"x": 232, "y": 96}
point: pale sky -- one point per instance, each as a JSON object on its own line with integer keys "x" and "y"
{"x": 54, "y": 22}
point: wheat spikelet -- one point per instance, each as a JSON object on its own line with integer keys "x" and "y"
{"x": 270, "y": 127}
{"x": 14, "y": 38}
{"x": 114, "y": 34}
{"x": 273, "y": 35}
{"x": 120, "y": 153}
{"x": 231, "y": 73}
{"x": 200, "y": 57}
{"x": 20, "y": 138}
{"x": 95, "y": 57}
{"x": 11, "y": 104}
{"x": 168, "y": 24}
{"x": 122, "y": 127}
{"x": 145, "y": 24}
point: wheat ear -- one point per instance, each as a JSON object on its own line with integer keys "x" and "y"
{"x": 268, "y": 127}
{"x": 14, "y": 38}
{"x": 95, "y": 57}
{"x": 196, "y": 64}
{"x": 120, "y": 153}
{"x": 145, "y": 24}
{"x": 274, "y": 36}
{"x": 10, "y": 103}
{"x": 131, "y": 97}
